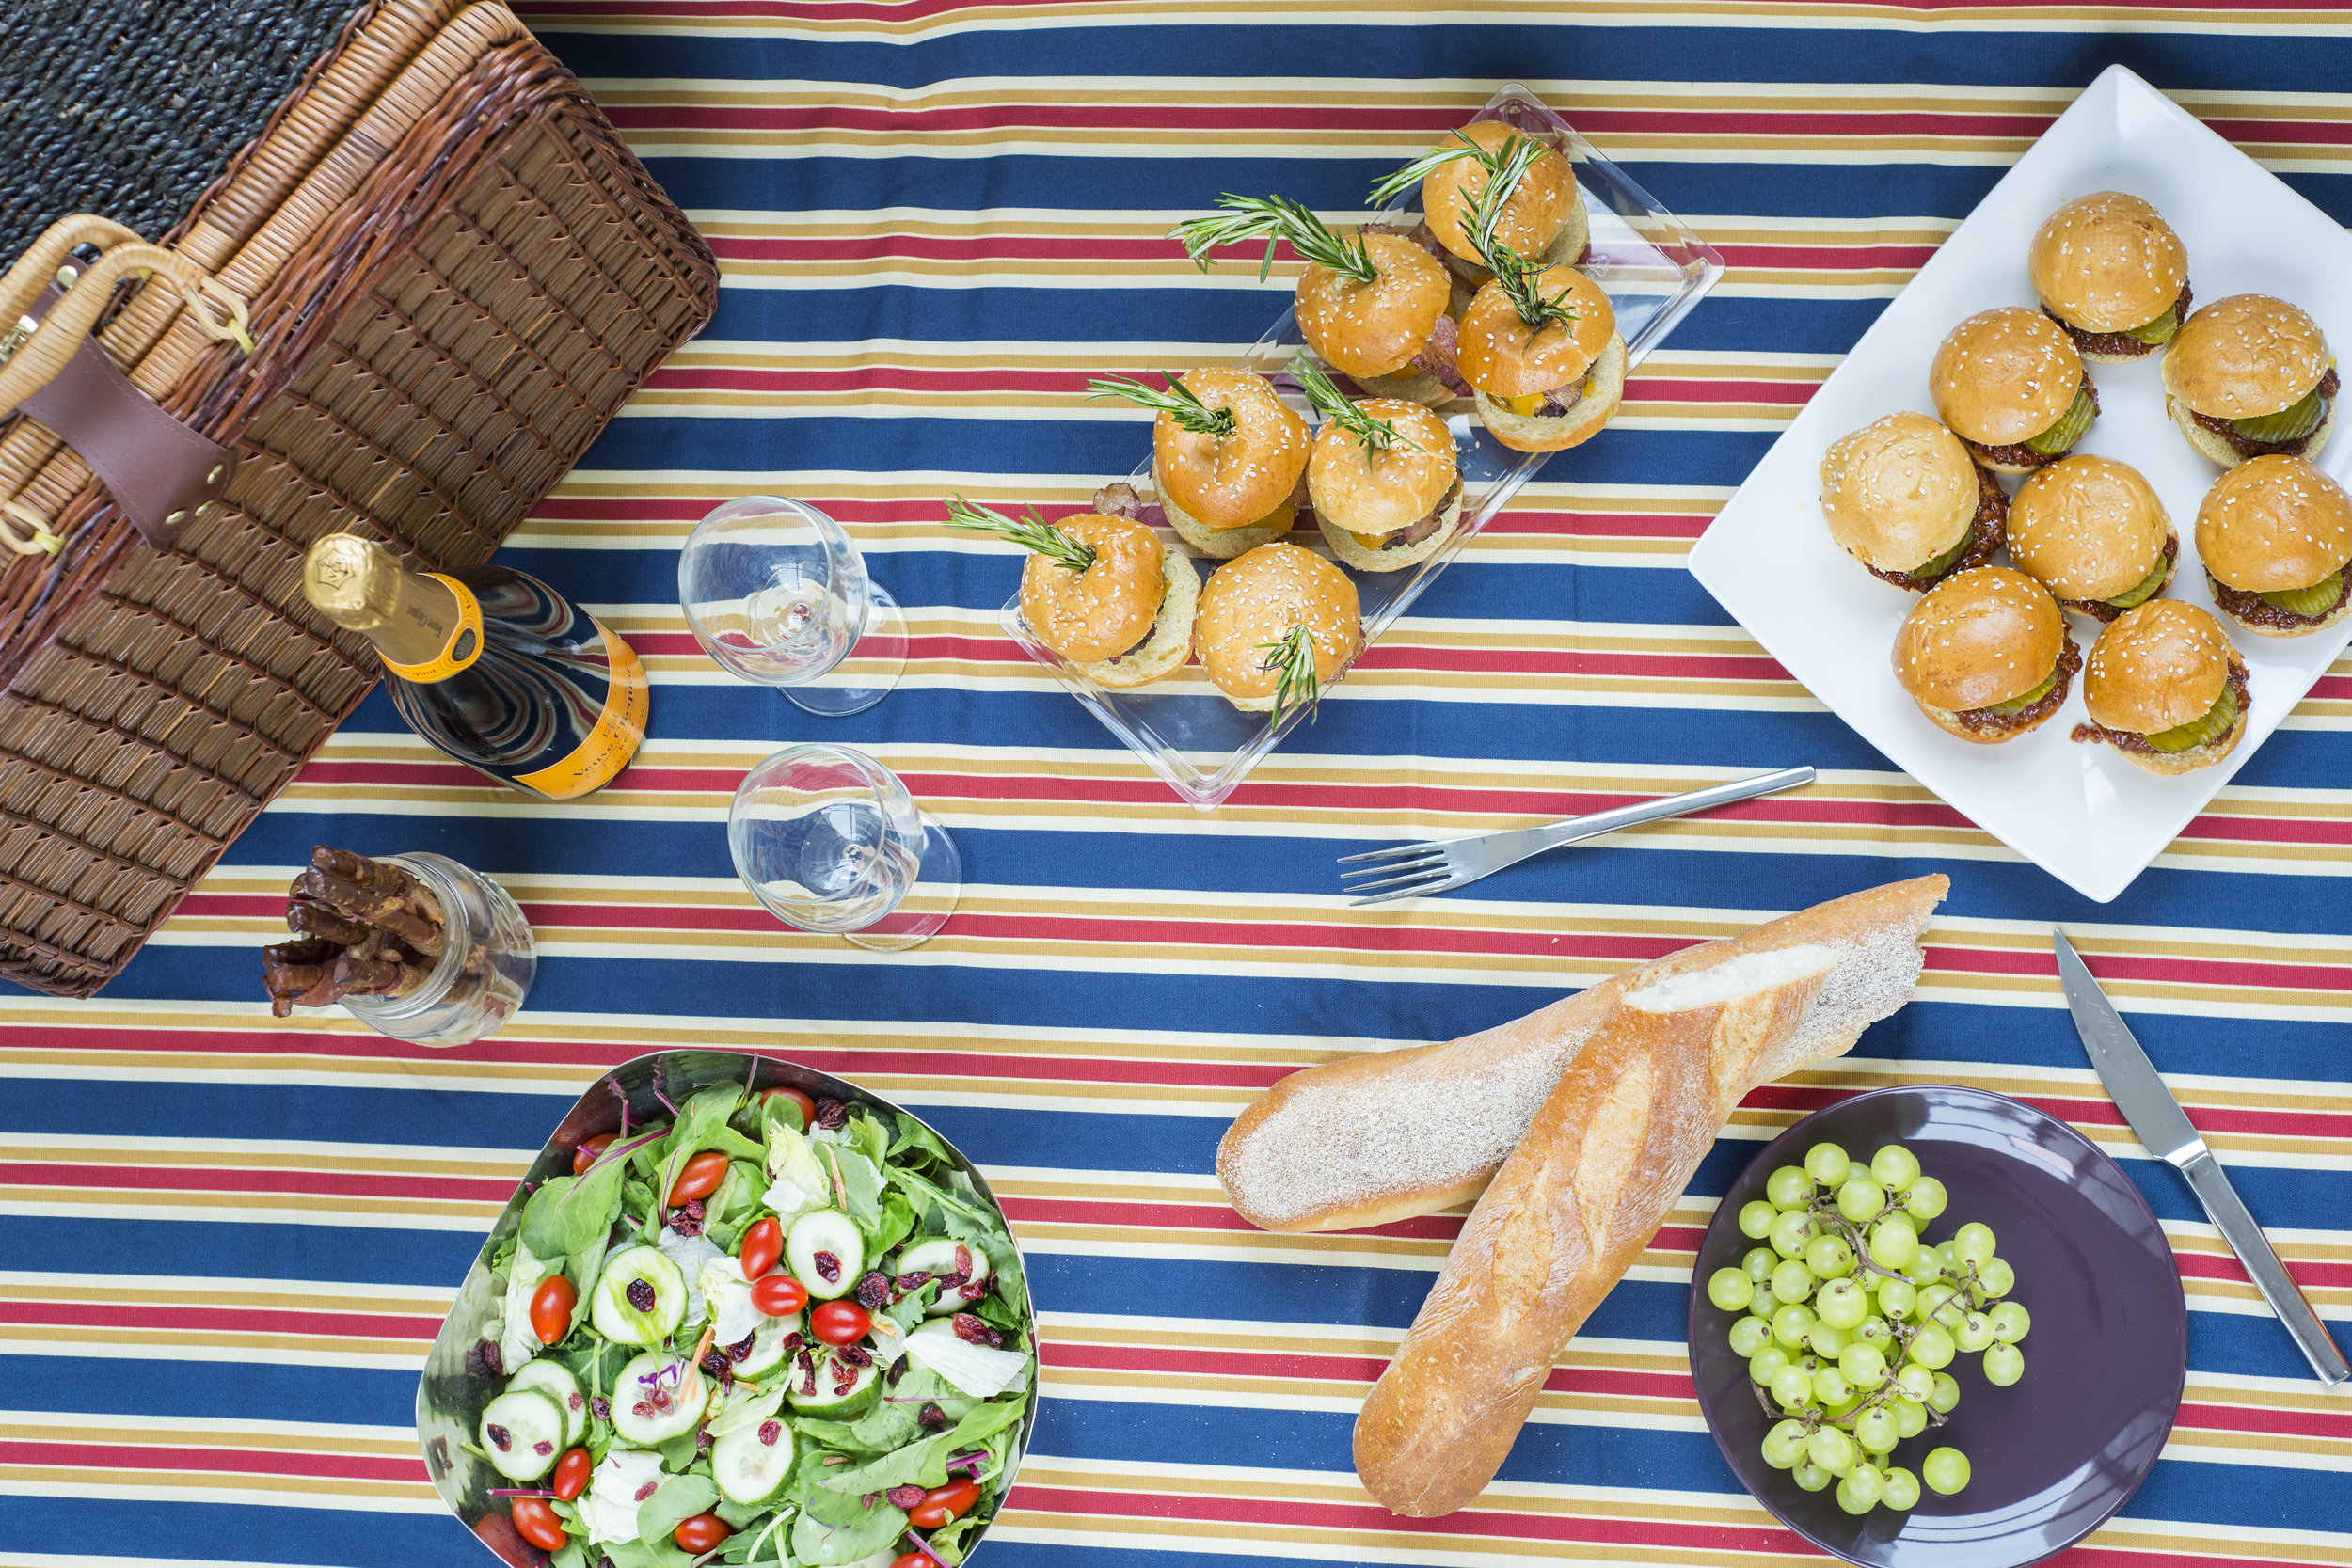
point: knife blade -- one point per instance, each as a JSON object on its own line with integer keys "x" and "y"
{"x": 2165, "y": 1132}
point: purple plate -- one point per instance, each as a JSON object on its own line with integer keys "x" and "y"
{"x": 2052, "y": 1456}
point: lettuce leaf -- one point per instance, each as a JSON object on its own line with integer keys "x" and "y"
{"x": 830, "y": 1545}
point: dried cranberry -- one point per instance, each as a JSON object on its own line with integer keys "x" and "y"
{"x": 500, "y": 1438}
{"x": 964, "y": 1261}
{"x": 910, "y": 1283}
{"x": 867, "y": 1502}
{"x": 717, "y": 1364}
{"x": 641, "y": 1408}
{"x": 686, "y": 1221}
{"x": 793, "y": 1342}
{"x": 648, "y": 1490}
{"x": 974, "y": 1332}
{"x": 742, "y": 1349}
{"x": 843, "y": 1378}
{"x": 769, "y": 1431}
{"x": 856, "y": 1355}
{"x": 697, "y": 1208}
{"x": 832, "y": 1114}
{"x": 873, "y": 1291}
{"x": 640, "y": 1294}
{"x": 703, "y": 1439}
{"x": 931, "y": 1415}
{"x": 905, "y": 1496}
{"x": 828, "y": 1267}
{"x": 898, "y": 1369}
{"x": 808, "y": 1371}
{"x": 543, "y": 1447}
{"x": 601, "y": 1407}
{"x": 572, "y": 1400}
{"x": 484, "y": 1360}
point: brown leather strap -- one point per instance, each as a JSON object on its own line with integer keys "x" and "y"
{"x": 158, "y": 469}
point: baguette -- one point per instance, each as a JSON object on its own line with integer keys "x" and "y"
{"x": 1391, "y": 1135}
{"x": 1569, "y": 1212}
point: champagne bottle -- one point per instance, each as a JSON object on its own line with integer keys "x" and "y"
{"x": 492, "y": 666}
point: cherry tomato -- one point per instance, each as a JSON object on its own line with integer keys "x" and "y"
{"x": 943, "y": 1505}
{"x": 808, "y": 1107}
{"x": 536, "y": 1523}
{"x": 840, "y": 1323}
{"x": 779, "y": 1295}
{"x": 912, "y": 1560}
{"x": 551, "y": 1306}
{"x": 700, "y": 1533}
{"x": 586, "y": 1153}
{"x": 571, "y": 1474}
{"x": 700, "y": 1178}
{"x": 763, "y": 1243}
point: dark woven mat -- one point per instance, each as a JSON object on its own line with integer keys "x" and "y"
{"x": 129, "y": 108}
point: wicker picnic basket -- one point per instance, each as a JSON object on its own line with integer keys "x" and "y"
{"x": 404, "y": 308}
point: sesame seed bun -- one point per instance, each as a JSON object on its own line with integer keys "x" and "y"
{"x": 1500, "y": 357}
{"x": 2155, "y": 667}
{"x": 1105, "y": 608}
{"x": 1223, "y": 544}
{"x": 1375, "y": 493}
{"x": 1373, "y": 329}
{"x": 1604, "y": 390}
{"x": 2004, "y": 375}
{"x": 1170, "y": 647}
{"x": 1982, "y": 637}
{"x": 2243, "y": 356}
{"x": 2272, "y": 524}
{"x": 1533, "y": 219}
{"x": 1898, "y": 492}
{"x": 2086, "y": 527}
{"x": 1229, "y": 481}
{"x": 2108, "y": 263}
{"x": 1259, "y": 597}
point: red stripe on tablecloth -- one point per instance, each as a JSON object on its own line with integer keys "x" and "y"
{"x": 215, "y": 1179}
{"x": 105, "y": 1457}
{"x": 221, "y": 1319}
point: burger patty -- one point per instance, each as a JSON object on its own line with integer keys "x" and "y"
{"x": 2017, "y": 454}
{"x": 1988, "y": 534}
{"x": 2132, "y": 740}
{"x": 1983, "y": 720}
{"x": 2244, "y": 447}
{"x": 1413, "y": 533}
{"x": 2117, "y": 343}
{"x": 2099, "y": 609}
{"x": 2255, "y": 610}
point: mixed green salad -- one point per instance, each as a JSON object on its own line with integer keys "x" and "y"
{"x": 771, "y": 1331}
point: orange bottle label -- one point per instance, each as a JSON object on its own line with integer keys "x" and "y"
{"x": 464, "y": 640}
{"x": 614, "y": 740}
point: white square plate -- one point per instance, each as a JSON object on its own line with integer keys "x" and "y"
{"x": 2079, "y": 811}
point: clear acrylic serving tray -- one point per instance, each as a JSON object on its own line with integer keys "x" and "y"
{"x": 1654, "y": 270}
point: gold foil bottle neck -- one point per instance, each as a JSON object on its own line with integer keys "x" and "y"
{"x": 358, "y": 584}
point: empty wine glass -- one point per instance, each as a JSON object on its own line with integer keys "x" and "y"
{"x": 776, "y": 593}
{"x": 829, "y": 839}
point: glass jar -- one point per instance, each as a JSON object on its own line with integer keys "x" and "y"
{"x": 483, "y": 971}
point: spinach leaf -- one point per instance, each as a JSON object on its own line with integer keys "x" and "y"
{"x": 985, "y": 1421}
{"x": 636, "y": 1554}
{"x": 829, "y": 1545}
{"x": 896, "y": 1224}
{"x": 923, "y": 1464}
{"x": 680, "y": 1498}
{"x": 570, "y": 1214}
{"x": 917, "y": 1145}
{"x": 702, "y": 1123}
{"x": 947, "y": 1543}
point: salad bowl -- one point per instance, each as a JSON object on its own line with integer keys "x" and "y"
{"x": 455, "y": 1387}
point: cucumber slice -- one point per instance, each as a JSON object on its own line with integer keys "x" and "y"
{"x": 751, "y": 1464}
{"x": 2318, "y": 599}
{"x": 522, "y": 1432}
{"x": 622, "y": 1321}
{"x": 768, "y": 1345}
{"x": 2068, "y": 429}
{"x": 825, "y": 1252}
{"x": 2019, "y": 705}
{"x": 656, "y": 1397}
{"x": 833, "y": 1404}
{"x": 2140, "y": 592}
{"x": 2296, "y": 419}
{"x": 559, "y": 1384}
{"x": 2161, "y": 330}
{"x": 2213, "y": 727}
{"x": 938, "y": 1256}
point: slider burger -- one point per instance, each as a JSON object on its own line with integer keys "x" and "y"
{"x": 1368, "y": 304}
{"x": 1275, "y": 625}
{"x": 1229, "y": 456}
{"x": 2165, "y": 689}
{"x": 2248, "y": 376}
{"x": 2274, "y": 533}
{"x": 1540, "y": 346}
{"x": 2110, "y": 271}
{"x": 1986, "y": 655}
{"x": 1100, "y": 591}
{"x": 1903, "y": 498}
{"x": 1387, "y": 491}
{"x": 1541, "y": 214}
{"x": 2010, "y": 383}
{"x": 2091, "y": 530}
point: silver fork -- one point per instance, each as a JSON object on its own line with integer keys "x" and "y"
{"x": 1412, "y": 869}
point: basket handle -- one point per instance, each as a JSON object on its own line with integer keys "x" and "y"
{"x": 160, "y": 471}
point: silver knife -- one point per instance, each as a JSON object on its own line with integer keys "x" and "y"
{"x": 2165, "y": 1131}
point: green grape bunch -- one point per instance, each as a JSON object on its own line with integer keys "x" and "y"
{"x": 1849, "y": 1319}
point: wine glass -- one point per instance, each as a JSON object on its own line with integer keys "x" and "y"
{"x": 776, "y": 593}
{"x": 829, "y": 839}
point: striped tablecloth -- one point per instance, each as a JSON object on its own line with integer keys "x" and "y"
{"x": 228, "y": 1239}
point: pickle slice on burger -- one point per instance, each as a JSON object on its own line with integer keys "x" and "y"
{"x": 1903, "y": 498}
{"x": 2250, "y": 377}
{"x": 2010, "y": 383}
{"x": 1986, "y": 655}
{"x": 1542, "y": 215}
{"x": 1388, "y": 492}
{"x": 2112, "y": 272}
{"x": 1229, "y": 456}
{"x": 2093, "y": 533}
{"x": 1100, "y": 589}
{"x": 1276, "y": 626}
{"x": 2274, "y": 534}
{"x": 2165, "y": 689}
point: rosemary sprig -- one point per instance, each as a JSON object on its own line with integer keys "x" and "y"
{"x": 1274, "y": 218}
{"x": 1422, "y": 168}
{"x": 1333, "y": 405}
{"x": 1505, "y": 168}
{"x": 1518, "y": 275}
{"x": 1178, "y": 402}
{"x": 1032, "y": 532}
{"x": 1290, "y": 658}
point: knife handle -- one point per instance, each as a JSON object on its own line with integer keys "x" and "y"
{"x": 2245, "y": 1239}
